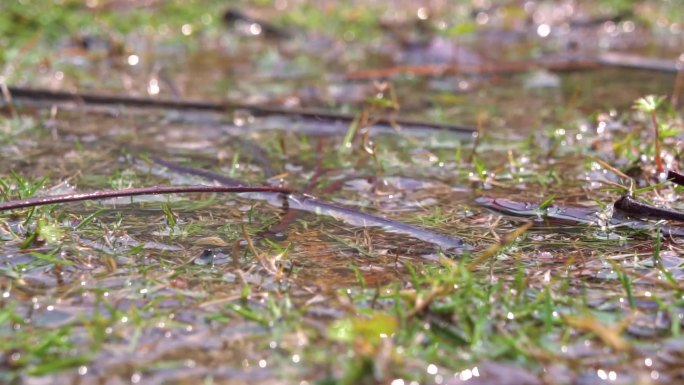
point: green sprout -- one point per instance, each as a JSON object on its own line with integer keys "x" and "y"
{"x": 649, "y": 104}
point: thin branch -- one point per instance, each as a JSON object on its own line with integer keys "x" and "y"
{"x": 155, "y": 190}
{"x": 609, "y": 59}
{"x": 675, "y": 177}
{"x": 627, "y": 214}
{"x": 140, "y": 102}
{"x": 507, "y": 68}
{"x": 128, "y": 101}
{"x": 632, "y": 207}
{"x": 350, "y": 216}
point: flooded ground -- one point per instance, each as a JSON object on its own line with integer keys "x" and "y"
{"x": 405, "y": 255}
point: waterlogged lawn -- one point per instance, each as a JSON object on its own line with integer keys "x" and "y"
{"x": 404, "y": 255}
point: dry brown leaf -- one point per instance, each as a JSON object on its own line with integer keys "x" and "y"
{"x": 211, "y": 241}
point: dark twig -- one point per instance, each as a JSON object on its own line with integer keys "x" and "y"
{"x": 155, "y": 190}
{"x": 627, "y": 214}
{"x": 129, "y": 101}
{"x": 609, "y": 59}
{"x": 139, "y": 102}
{"x": 506, "y": 68}
{"x": 632, "y": 207}
{"x": 675, "y": 177}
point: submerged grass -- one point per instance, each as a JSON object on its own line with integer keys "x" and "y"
{"x": 193, "y": 290}
{"x": 132, "y": 279}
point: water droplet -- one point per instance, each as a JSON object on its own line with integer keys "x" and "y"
{"x": 255, "y": 29}
{"x": 422, "y": 13}
{"x": 279, "y": 236}
{"x": 133, "y": 60}
{"x": 153, "y": 87}
{"x": 543, "y": 30}
{"x": 465, "y": 375}
{"x": 602, "y": 374}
